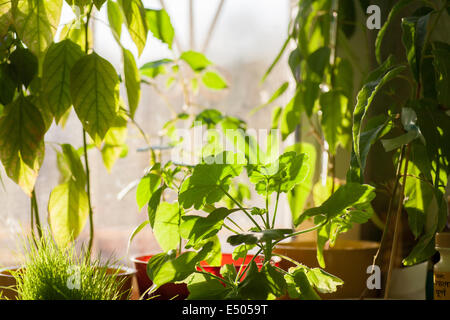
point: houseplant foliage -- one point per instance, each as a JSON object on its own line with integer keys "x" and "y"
{"x": 54, "y": 273}
{"x": 417, "y": 127}
{"x": 43, "y": 77}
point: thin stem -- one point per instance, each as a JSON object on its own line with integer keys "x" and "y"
{"x": 86, "y": 158}
{"x": 248, "y": 265}
{"x": 276, "y": 207}
{"x": 301, "y": 232}
{"x": 396, "y": 231}
{"x": 36, "y": 213}
{"x": 241, "y": 207}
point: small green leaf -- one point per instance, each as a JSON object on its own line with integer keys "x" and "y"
{"x": 268, "y": 283}
{"x": 205, "y": 287}
{"x": 154, "y": 68}
{"x": 115, "y": 19}
{"x": 196, "y": 60}
{"x": 291, "y": 115}
{"x": 159, "y": 24}
{"x": 257, "y": 237}
{"x": 146, "y": 187}
{"x": 298, "y": 285}
{"x": 212, "y": 80}
{"x": 132, "y": 81}
{"x": 135, "y": 20}
{"x": 68, "y": 212}
{"x": 115, "y": 140}
{"x": 242, "y": 251}
{"x": 334, "y": 106}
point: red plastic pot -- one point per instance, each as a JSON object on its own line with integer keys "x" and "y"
{"x": 228, "y": 259}
{"x": 169, "y": 291}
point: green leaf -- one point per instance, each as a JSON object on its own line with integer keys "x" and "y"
{"x": 196, "y": 60}
{"x": 8, "y": 84}
{"x": 135, "y": 20}
{"x": 94, "y": 87}
{"x": 442, "y": 65}
{"x": 68, "y": 210}
{"x": 278, "y": 57}
{"x": 298, "y": 285}
{"x": 253, "y": 238}
{"x": 146, "y": 187}
{"x": 380, "y": 36}
{"x": 242, "y": 251}
{"x": 159, "y": 24}
{"x": 153, "y": 204}
{"x": 115, "y": 19}
{"x": 205, "y": 287}
{"x": 208, "y": 117}
{"x": 115, "y": 141}
{"x": 154, "y": 68}
{"x": 24, "y": 64}
{"x": 132, "y": 81}
{"x": 136, "y": 231}
{"x": 164, "y": 268}
{"x": 365, "y": 98}
{"x": 99, "y": 3}
{"x": 70, "y": 166}
{"x": 397, "y": 142}
{"x": 334, "y": 106}
{"x": 5, "y": 17}
{"x": 166, "y": 227}
{"x": 197, "y": 228}
{"x": 414, "y": 33}
{"x": 212, "y": 80}
{"x": 347, "y": 196}
{"x": 274, "y": 97}
{"x": 22, "y": 130}
{"x": 323, "y": 281}
{"x": 209, "y": 181}
{"x": 265, "y": 284}
{"x": 298, "y": 196}
{"x": 290, "y": 117}
{"x": 58, "y": 62}
{"x": 36, "y": 23}
{"x": 318, "y": 61}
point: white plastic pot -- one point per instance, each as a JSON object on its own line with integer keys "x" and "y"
{"x": 409, "y": 283}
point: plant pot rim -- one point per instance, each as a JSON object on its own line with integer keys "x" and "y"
{"x": 6, "y": 271}
{"x": 341, "y": 245}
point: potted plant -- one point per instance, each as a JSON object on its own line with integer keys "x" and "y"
{"x": 54, "y": 273}
{"x": 412, "y": 128}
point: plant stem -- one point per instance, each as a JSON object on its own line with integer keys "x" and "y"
{"x": 276, "y": 207}
{"x": 240, "y": 207}
{"x": 36, "y": 213}
{"x": 248, "y": 265}
{"x": 86, "y": 159}
{"x": 397, "y": 223}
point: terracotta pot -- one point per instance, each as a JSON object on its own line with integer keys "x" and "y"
{"x": 125, "y": 275}
{"x": 168, "y": 291}
{"x": 348, "y": 260}
{"x": 8, "y": 283}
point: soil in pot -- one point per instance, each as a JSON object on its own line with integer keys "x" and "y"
{"x": 348, "y": 260}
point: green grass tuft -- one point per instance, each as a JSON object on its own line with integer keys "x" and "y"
{"x": 54, "y": 273}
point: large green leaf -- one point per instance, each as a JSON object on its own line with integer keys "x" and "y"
{"x": 159, "y": 24}
{"x": 135, "y": 19}
{"x": 115, "y": 19}
{"x": 36, "y": 23}
{"x": 68, "y": 210}
{"x": 132, "y": 81}
{"x": 94, "y": 87}
{"x": 146, "y": 187}
{"x": 365, "y": 98}
{"x": 70, "y": 166}
{"x": 333, "y": 105}
{"x": 166, "y": 227}
{"x": 209, "y": 181}
{"x": 264, "y": 284}
{"x": 252, "y": 238}
{"x": 22, "y": 130}
{"x": 347, "y": 196}
{"x": 205, "y": 287}
{"x": 442, "y": 64}
{"x": 8, "y": 84}
{"x": 380, "y": 36}
{"x": 165, "y": 267}
{"x": 298, "y": 285}
{"x": 290, "y": 118}
{"x": 197, "y": 228}
{"x": 24, "y": 64}
{"x": 58, "y": 63}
